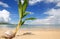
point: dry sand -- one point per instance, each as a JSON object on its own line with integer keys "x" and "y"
{"x": 34, "y": 33}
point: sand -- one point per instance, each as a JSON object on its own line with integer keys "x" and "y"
{"x": 35, "y": 33}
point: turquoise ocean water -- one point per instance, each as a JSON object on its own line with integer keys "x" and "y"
{"x": 32, "y": 26}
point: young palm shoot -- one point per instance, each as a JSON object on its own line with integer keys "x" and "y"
{"x": 22, "y": 14}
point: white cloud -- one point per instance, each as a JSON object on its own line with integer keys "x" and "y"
{"x": 48, "y": 1}
{"x": 32, "y": 2}
{"x": 41, "y": 21}
{"x": 54, "y": 12}
{"x": 56, "y": 16}
{"x": 58, "y": 4}
{"x": 3, "y": 4}
{"x": 30, "y": 12}
{"x": 53, "y": 1}
{"x": 4, "y": 16}
{"x": 53, "y": 18}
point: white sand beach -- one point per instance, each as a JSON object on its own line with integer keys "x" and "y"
{"x": 34, "y": 33}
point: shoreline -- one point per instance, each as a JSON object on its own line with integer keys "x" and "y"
{"x": 31, "y": 28}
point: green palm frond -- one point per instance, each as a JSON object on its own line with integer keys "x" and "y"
{"x": 25, "y": 4}
{"x": 25, "y": 14}
{"x": 27, "y": 19}
{"x": 23, "y": 22}
{"x": 30, "y": 18}
{"x": 20, "y": 7}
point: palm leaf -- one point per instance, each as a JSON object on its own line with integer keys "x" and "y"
{"x": 25, "y": 14}
{"x": 20, "y": 9}
{"x": 25, "y": 4}
{"x": 30, "y": 18}
{"x": 23, "y": 22}
{"x": 27, "y": 19}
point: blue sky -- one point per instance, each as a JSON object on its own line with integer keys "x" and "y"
{"x": 41, "y": 9}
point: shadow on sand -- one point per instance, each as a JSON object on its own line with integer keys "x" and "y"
{"x": 27, "y": 33}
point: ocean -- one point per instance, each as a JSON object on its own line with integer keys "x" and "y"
{"x": 31, "y": 26}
